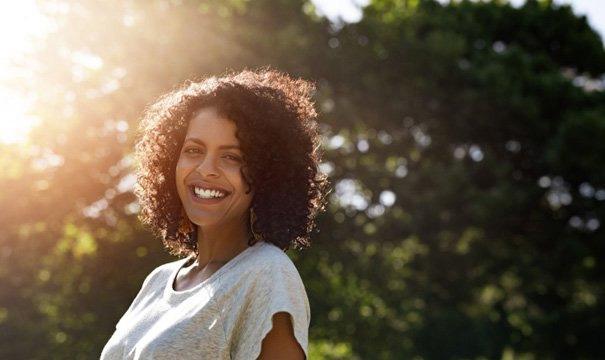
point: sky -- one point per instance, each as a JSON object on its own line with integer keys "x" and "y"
{"x": 349, "y": 10}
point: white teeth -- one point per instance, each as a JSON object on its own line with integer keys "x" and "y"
{"x": 208, "y": 194}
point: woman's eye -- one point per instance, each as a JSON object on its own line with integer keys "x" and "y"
{"x": 197, "y": 151}
{"x": 233, "y": 157}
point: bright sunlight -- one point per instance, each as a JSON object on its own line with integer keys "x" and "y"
{"x": 20, "y": 24}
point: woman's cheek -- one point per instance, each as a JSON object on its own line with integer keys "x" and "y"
{"x": 229, "y": 166}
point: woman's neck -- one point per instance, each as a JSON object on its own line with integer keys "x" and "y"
{"x": 220, "y": 245}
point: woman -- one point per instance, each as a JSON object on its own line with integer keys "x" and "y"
{"x": 228, "y": 177}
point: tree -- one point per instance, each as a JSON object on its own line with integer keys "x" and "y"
{"x": 464, "y": 141}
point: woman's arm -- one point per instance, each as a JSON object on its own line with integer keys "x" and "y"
{"x": 280, "y": 342}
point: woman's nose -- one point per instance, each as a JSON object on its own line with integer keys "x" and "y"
{"x": 207, "y": 167}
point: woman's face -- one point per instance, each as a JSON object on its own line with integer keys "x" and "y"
{"x": 211, "y": 159}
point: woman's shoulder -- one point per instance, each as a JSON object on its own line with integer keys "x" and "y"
{"x": 271, "y": 258}
{"x": 170, "y": 266}
{"x": 165, "y": 270}
{"x": 271, "y": 269}
{"x": 271, "y": 285}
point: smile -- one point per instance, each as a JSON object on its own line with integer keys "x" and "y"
{"x": 206, "y": 196}
{"x": 208, "y": 193}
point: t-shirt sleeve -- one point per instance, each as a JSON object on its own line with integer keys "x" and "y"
{"x": 280, "y": 289}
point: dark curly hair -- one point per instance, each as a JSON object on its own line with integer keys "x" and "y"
{"x": 278, "y": 134}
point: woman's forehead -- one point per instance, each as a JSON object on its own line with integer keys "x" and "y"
{"x": 209, "y": 113}
{"x": 210, "y": 127}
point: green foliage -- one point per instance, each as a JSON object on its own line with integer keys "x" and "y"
{"x": 465, "y": 142}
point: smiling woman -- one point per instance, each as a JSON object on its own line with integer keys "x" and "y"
{"x": 228, "y": 177}
{"x": 210, "y": 185}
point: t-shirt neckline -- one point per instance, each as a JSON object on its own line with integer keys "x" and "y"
{"x": 169, "y": 290}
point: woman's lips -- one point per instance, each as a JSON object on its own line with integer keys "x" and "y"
{"x": 198, "y": 200}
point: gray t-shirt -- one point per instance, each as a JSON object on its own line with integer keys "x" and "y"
{"x": 225, "y": 317}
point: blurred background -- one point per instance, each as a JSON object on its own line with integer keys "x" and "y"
{"x": 465, "y": 142}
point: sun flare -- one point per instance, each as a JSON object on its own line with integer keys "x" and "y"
{"x": 20, "y": 22}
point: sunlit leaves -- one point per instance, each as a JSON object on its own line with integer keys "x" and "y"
{"x": 465, "y": 152}
{"x": 78, "y": 242}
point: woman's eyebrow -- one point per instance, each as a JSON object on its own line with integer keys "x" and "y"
{"x": 199, "y": 141}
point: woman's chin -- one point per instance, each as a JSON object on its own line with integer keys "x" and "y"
{"x": 207, "y": 222}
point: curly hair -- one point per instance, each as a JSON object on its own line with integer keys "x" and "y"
{"x": 278, "y": 134}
